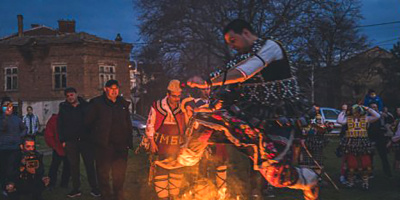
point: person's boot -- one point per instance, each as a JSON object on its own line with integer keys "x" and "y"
{"x": 365, "y": 180}
{"x": 350, "y": 179}
{"x": 221, "y": 181}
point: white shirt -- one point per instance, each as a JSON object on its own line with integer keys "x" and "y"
{"x": 270, "y": 52}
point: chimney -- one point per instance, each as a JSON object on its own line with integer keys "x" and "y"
{"x": 118, "y": 38}
{"x": 66, "y": 26}
{"x": 20, "y": 26}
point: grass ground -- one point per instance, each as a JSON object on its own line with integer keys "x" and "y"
{"x": 136, "y": 187}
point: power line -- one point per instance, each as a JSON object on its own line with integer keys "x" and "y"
{"x": 386, "y": 44}
{"x": 389, "y": 40}
{"x": 379, "y": 24}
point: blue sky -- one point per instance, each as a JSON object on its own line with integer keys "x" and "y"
{"x": 106, "y": 18}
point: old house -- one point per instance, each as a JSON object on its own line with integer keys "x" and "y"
{"x": 39, "y": 63}
{"x": 351, "y": 79}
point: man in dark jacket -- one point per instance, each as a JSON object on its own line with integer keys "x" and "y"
{"x": 376, "y": 133}
{"x": 111, "y": 128}
{"x": 74, "y": 137}
{"x": 26, "y": 172}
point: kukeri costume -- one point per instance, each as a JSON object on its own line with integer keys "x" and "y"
{"x": 356, "y": 145}
{"x": 166, "y": 126}
{"x": 315, "y": 141}
{"x": 260, "y": 117}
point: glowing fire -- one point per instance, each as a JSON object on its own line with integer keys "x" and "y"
{"x": 205, "y": 190}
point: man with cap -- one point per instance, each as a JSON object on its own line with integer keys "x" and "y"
{"x": 74, "y": 137}
{"x": 108, "y": 118}
{"x": 165, "y": 128}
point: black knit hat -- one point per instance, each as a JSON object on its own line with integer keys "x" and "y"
{"x": 69, "y": 90}
{"x": 112, "y": 82}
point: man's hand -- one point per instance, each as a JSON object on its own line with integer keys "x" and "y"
{"x": 153, "y": 146}
{"x": 10, "y": 187}
{"x": 197, "y": 82}
{"x": 63, "y": 144}
{"x": 303, "y": 142}
{"x": 218, "y": 105}
{"x": 389, "y": 144}
{"x": 46, "y": 181}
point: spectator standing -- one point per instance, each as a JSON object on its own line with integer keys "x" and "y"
{"x": 111, "y": 130}
{"x": 31, "y": 122}
{"x": 388, "y": 120}
{"x": 376, "y": 134}
{"x": 11, "y": 131}
{"x": 372, "y": 97}
{"x": 53, "y": 141}
{"x": 75, "y": 139}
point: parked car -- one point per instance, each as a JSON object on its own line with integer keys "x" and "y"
{"x": 331, "y": 115}
{"x": 138, "y": 124}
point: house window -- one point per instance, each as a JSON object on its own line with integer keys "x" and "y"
{"x": 11, "y": 78}
{"x": 60, "y": 77}
{"x": 106, "y": 73}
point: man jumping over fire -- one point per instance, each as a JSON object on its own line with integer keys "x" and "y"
{"x": 262, "y": 110}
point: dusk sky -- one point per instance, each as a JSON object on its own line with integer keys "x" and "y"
{"x": 106, "y": 18}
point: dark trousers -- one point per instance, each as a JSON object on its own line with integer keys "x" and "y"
{"x": 74, "y": 150}
{"x": 32, "y": 187}
{"x": 53, "y": 171}
{"x": 114, "y": 160}
{"x": 380, "y": 144}
{"x": 4, "y": 162}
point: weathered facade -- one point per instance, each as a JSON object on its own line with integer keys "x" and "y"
{"x": 39, "y": 63}
{"x": 349, "y": 81}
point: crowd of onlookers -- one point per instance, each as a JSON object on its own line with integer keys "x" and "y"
{"x": 383, "y": 134}
{"x": 99, "y": 132}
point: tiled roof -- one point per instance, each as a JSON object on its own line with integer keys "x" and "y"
{"x": 53, "y": 37}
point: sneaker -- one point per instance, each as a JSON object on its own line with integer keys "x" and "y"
{"x": 343, "y": 180}
{"x": 349, "y": 185}
{"x": 74, "y": 193}
{"x": 365, "y": 186}
{"x": 95, "y": 193}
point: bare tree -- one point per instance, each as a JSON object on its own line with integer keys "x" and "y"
{"x": 188, "y": 33}
{"x": 332, "y": 38}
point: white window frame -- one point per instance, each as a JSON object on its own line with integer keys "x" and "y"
{"x": 60, "y": 73}
{"x": 13, "y": 75}
{"x": 106, "y": 72}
